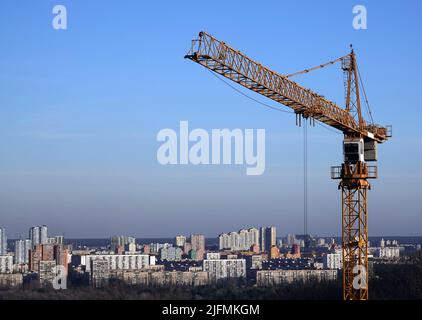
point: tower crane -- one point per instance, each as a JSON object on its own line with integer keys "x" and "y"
{"x": 359, "y": 145}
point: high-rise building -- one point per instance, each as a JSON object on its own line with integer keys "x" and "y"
{"x": 274, "y": 252}
{"x": 262, "y": 238}
{"x": 290, "y": 239}
{"x": 171, "y": 254}
{"x": 187, "y": 247}
{"x": 155, "y": 247}
{"x": 34, "y": 235}
{"x": 234, "y": 240}
{"x": 239, "y": 241}
{"x": 271, "y": 237}
{"x": 43, "y": 235}
{"x": 61, "y": 256}
{"x": 19, "y": 252}
{"x": 3, "y": 242}
{"x": 100, "y": 274}
{"x": 253, "y": 237}
{"x": 40, "y": 252}
{"x": 35, "y": 256}
{"x": 6, "y": 264}
{"x": 22, "y": 248}
{"x": 38, "y": 235}
{"x": 179, "y": 241}
{"x": 46, "y": 273}
{"x": 120, "y": 241}
{"x": 48, "y": 252}
{"x": 27, "y": 249}
{"x": 198, "y": 244}
{"x": 268, "y": 238}
{"x": 224, "y": 241}
{"x": 243, "y": 239}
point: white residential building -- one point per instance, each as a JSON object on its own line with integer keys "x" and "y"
{"x": 6, "y": 264}
{"x": 387, "y": 252}
{"x": 277, "y": 277}
{"x": 213, "y": 255}
{"x": 332, "y": 261}
{"x": 38, "y": 235}
{"x": 239, "y": 241}
{"x": 3, "y": 242}
{"x": 224, "y": 241}
{"x": 120, "y": 241}
{"x": 120, "y": 261}
{"x": 225, "y": 269}
{"x": 180, "y": 240}
{"x": 22, "y": 248}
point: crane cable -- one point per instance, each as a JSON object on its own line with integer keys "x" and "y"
{"x": 368, "y": 109}
{"x": 305, "y": 177}
{"x": 317, "y": 67}
{"x": 267, "y": 105}
{"x": 247, "y": 96}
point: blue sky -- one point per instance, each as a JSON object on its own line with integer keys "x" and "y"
{"x": 80, "y": 110}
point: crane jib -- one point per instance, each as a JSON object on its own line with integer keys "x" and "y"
{"x": 220, "y": 58}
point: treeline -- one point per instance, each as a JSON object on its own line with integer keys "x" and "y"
{"x": 390, "y": 281}
{"x": 398, "y": 281}
{"x": 222, "y": 291}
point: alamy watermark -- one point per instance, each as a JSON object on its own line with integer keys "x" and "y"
{"x": 359, "y": 281}
{"x": 221, "y": 146}
{"x": 360, "y": 17}
{"x": 60, "y": 278}
{"x": 60, "y": 17}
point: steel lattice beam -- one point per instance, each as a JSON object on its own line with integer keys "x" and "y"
{"x": 234, "y": 65}
{"x": 355, "y": 243}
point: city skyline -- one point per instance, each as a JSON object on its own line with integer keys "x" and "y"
{"x": 52, "y": 233}
{"x": 248, "y": 258}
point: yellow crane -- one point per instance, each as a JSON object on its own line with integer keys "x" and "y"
{"x": 359, "y": 145}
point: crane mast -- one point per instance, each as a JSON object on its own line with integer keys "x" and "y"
{"x": 359, "y": 146}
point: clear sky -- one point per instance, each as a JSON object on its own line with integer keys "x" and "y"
{"x": 80, "y": 110}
